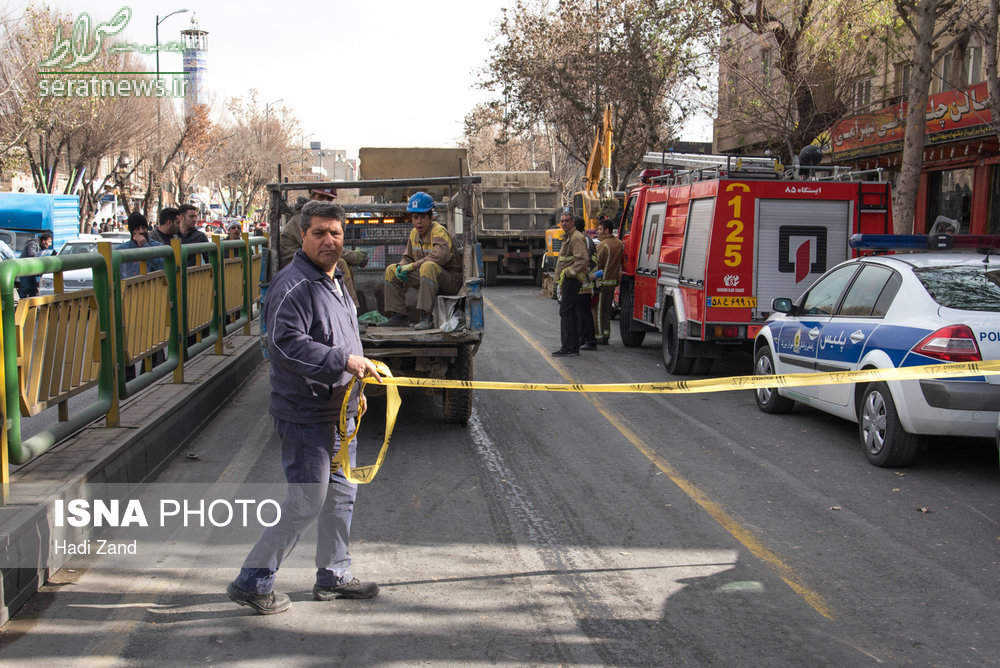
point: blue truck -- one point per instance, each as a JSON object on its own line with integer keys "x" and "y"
{"x": 26, "y": 215}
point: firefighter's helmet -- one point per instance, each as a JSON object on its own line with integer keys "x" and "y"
{"x": 420, "y": 203}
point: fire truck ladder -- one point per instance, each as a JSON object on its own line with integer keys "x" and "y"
{"x": 721, "y": 164}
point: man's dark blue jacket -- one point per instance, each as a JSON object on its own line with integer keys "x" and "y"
{"x": 311, "y": 331}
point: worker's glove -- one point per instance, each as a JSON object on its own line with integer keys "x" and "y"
{"x": 403, "y": 272}
{"x": 597, "y": 274}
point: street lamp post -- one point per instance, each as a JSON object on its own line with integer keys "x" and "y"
{"x": 159, "y": 187}
{"x": 267, "y": 108}
{"x": 267, "y": 124}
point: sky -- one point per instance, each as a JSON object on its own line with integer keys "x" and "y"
{"x": 358, "y": 73}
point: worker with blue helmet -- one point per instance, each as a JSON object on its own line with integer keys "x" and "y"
{"x": 431, "y": 264}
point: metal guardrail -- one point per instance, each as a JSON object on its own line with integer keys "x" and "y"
{"x": 55, "y": 347}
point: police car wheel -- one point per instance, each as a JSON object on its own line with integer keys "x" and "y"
{"x": 767, "y": 398}
{"x": 883, "y": 438}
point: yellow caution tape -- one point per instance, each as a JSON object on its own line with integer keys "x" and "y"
{"x": 342, "y": 458}
{"x": 952, "y": 370}
{"x": 363, "y": 474}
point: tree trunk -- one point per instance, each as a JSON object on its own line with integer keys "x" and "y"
{"x": 924, "y": 16}
{"x": 990, "y": 50}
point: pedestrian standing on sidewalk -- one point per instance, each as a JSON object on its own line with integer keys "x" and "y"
{"x": 315, "y": 349}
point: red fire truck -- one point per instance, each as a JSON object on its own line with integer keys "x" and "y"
{"x": 708, "y": 249}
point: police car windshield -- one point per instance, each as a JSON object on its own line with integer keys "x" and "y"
{"x": 967, "y": 287}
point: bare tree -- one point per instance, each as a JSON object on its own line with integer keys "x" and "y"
{"x": 494, "y": 146}
{"x": 256, "y": 142}
{"x": 930, "y": 23}
{"x": 560, "y": 67}
{"x": 792, "y": 68}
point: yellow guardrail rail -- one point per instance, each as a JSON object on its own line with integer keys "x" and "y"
{"x": 54, "y": 347}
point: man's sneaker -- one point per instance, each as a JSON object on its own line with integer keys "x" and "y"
{"x": 264, "y": 604}
{"x": 589, "y": 346}
{"x": 353, "y": 589}
{"x": 396, "y": 320}
{"x": 426, "y": 322}
{"x": 565, "y": 353}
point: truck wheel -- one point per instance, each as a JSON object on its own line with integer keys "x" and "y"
{"x": 674, "y": 359}
{"x": 885, "y": 441}
{"x": 631, "y": 334}
{"x": 457, "y": 403}
{"x": 767, "y": 398}
{"x": 490, "y": 269}
{"x": 701, "y": 366}
{"x": 538, "y": 274}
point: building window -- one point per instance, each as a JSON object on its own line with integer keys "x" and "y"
{"x": 969, "y": 71}
{"x": 994, "y": 213}
{"x": 974, "y": 58}
{"x": 901, "y": 85}
{"x": 949, "y": 193}
{"x": 861, "y": 94}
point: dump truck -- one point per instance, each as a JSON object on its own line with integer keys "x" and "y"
{"x": 513, "y": 211}
{"x": 510, "y": 211}
{"x": 381, "y": 229}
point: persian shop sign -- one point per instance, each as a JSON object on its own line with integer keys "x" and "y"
{"x": 951, "y": 115}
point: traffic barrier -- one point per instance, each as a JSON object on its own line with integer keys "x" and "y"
{"x": 54, "y": 347}
{"x": 364, "y": 474}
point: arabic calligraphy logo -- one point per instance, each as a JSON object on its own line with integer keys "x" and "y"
{"x": 797, "y": 341}
{"x": 80, "y": 47}
{"x": 801, "y": 250}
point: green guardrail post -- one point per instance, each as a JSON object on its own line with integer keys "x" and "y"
{"x": 220, "y": 293}
{"x": 113, "y": 338}
{"x": 180, "y": 306}
{"x": 247, "y": 285}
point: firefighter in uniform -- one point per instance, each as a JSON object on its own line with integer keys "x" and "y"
{"x": 571, "y": 272}
{"x": 609, "y": 260}
{"x": 584, "y": 301}
{"x": 431, "y": 264}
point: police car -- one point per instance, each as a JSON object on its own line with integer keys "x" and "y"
{"x": 888, "y": 311}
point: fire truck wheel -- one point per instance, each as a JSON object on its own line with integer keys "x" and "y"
{"x": 490, "y": 273}
{"x": 457, "y": 402}
{"x": 768, "y": 399}
{"x": 631, "y": 335}
{"x": 885, "y": 441}
{"x": 674, "y": 359}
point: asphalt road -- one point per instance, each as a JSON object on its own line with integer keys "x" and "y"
{"x": 571, "y": 529}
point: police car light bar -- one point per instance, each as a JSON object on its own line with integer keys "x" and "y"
{"x": 924, "y": 241}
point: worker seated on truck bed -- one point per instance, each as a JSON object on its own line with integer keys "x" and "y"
{"x": 431, "y": 263}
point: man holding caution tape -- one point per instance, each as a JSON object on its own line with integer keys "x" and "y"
{"x": 312, "y": 338}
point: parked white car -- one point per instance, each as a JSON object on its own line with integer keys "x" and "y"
{"x": 75, "y": 279}
{"x": 884, "y": 312}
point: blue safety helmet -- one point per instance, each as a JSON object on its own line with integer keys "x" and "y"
{"x": 420, "y": 203}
